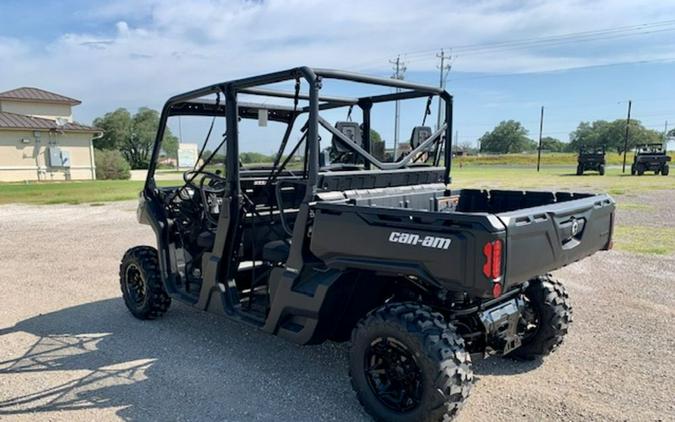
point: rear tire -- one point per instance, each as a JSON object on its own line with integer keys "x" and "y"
{"x": 141, "y": 284}
{"x": 407, "y": 364}
{"x": 665, "y": 170}
{"x": 640, "y": 170}
{"x": 580, "y": 170}
{"x": 551, "y": 308}
{"x": 601, "y": 169}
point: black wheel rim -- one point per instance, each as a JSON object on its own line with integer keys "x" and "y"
{"x": 135, "y": 285}
{"x": 393, "y": 374}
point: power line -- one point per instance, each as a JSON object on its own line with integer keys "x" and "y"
{"x": 538, "y": 72}
{"x": 551, "y": 40}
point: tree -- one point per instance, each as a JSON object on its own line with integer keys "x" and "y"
{"x": 507, "y": 137}
{"x": 552, "y": 144}
{"x": 377, "y": 145}
{"x": 116, "y": 127}
{"x": 612, "y": 135}
{"x": 133, "y": 135}
{"x": 110, "y": 165}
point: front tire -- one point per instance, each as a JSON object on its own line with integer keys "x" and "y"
{"x": 548, "y": 317}
{"x": 141, "y": 284}
{"x": 665, "y": 170}
{"x": 601, "y": 169}
{"x": 407, "y": 364}
{"x": 580, "y": 170}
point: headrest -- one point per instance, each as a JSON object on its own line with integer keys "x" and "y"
{"x": 351, "y": 130}
{"x": 419, "y": 135}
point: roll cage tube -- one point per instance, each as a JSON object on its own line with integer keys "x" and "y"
{"x": 179, "y": 105}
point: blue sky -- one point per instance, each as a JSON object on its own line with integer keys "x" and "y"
{"x": 138, "y": 53}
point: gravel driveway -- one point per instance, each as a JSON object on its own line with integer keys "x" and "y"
{"x": 69, "y": 350}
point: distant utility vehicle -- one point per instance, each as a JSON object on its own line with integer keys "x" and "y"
{"x": 591, "y": 158}
{"x": 420, "y": 276}
{"x": 650, "y": 157}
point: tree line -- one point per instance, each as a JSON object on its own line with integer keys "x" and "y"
{"x": 510, "y": 136}
{"x": 133, "y": 135}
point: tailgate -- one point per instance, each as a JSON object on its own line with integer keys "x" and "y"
{"x": 545, "y": 238}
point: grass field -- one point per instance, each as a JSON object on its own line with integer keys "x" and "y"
{"x": 489, "y": 177}
{"x": 624, "y": 188}
{"x": 45, "y": 193}
{"x": 556, "y": 159}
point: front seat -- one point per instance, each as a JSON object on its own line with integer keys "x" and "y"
{"x": 276, "y": 251}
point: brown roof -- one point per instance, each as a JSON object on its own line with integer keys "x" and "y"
{"x": 19, "y": 121}
{"x": 37, "y": 95}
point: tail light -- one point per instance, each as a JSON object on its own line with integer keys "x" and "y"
{"x": 492, "y": 268}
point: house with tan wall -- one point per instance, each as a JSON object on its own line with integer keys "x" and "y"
{"x": 39, "y": 140}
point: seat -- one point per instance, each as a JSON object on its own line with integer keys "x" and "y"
{"x": 419, "y": 135}
{"x": 276, "y": 251}
{"x": 340, "y": 152}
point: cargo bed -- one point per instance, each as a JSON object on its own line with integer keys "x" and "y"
{"x": 385, "y": 230}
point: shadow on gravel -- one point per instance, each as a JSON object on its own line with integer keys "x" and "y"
{"x": 505, "y": 366}
{"x": 188, "y": 365}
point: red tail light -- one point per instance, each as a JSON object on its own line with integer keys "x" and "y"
{"x": 487, "y": 267}
{"x": 493, "y": 259}
{"x": 497, "y": 289}
{"x": 492, "y": 268}
{"x": 497, "y": 259}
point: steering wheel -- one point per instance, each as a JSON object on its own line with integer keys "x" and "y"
{"x": 215, "y": 185}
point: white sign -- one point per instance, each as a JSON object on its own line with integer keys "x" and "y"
{"x": 187, "y": 155}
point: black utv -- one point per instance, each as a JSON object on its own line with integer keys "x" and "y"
{"x": 420, "y": 277}
{"x": 650, "y": 157}
{"x": 591, "y": 158}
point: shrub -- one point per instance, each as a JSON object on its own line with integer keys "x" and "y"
{"x": 111, "y": 165}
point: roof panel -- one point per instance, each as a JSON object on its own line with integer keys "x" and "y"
{"x": 37, "y": 94}
{"x": 19, "y": 121}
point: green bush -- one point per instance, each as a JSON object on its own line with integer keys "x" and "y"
{"x": 111, "y": 165}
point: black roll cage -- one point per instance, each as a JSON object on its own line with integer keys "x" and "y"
{"x": 192, "y": 104}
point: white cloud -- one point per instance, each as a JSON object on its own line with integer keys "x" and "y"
{"x": 158, "y": 48}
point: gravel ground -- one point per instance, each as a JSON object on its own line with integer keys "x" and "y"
{"x": 69, "y": 350}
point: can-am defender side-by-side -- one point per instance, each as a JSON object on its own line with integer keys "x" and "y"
{"x": 591, "y": 158}
{"x": 650, "y": 157}
{"x": 419, "y": 276}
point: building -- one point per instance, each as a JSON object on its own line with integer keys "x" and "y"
{"x": 39, "y": 139}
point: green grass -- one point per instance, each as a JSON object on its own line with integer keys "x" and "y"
{"x": 551, "y": 158}
{"x": 489, "y": 177}
{"x": 45, "y": 193}
{"x": 636, "y": 239}
{"x": 557, "y": 178}
{"x": 645, "y": 240}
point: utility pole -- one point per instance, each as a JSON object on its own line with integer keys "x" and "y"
{"x": 625, "y": 141}
{"x": 445, "y": 70}
{"x": 399, "y": 71}
{"x": 541, "y": 130}
{"x": 665, "y": 133}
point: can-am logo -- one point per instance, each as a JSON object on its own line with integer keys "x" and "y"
{"x": 417, "y": 240}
